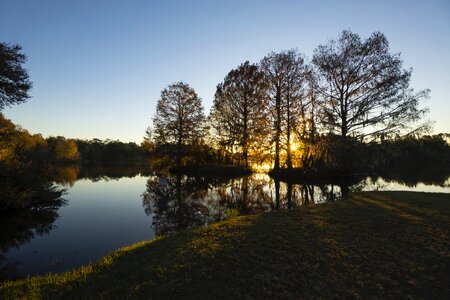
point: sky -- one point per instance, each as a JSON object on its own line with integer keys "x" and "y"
{"x": 98, "y": 67}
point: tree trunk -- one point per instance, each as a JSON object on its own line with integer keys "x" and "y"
{"x": 179, "y": 151}
{"x": 288, "y": 133}
{"x": 344, "y": 161}
{"x": 246, "y": 135}
{"x": 276, "y": 166}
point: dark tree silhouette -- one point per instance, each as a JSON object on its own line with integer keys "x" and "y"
{"x": 239, "y": 111}
{"x": 179, "y": 117}
{"x": 285, "y": 74}
{"x": 111, "y": 152}
{"x": 365, "y": 90}
{"x": 294, "y": 97}
{"x": 307, "y": 129}
{"x": 14, "y": 79}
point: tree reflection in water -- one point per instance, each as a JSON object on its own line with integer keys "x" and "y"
{"x": 181, "y": 202}
{"x": 67, "y": 175}
{"x": 20, "y": 226}
{"x": 184, "y": 202}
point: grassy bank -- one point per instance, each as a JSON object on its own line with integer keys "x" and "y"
{"x": 371, "y": 245}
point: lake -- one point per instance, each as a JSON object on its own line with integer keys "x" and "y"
{"x": 110, "y": 208}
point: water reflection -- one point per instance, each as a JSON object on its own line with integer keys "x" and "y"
{"x": 19, "y": 227}
{"x": 411, "y": 179}
{"x": 187, "y": 202}
{"x": 67, "y": 175}
{"x": 109, "y": 207}
{"x": 181, "y": 203}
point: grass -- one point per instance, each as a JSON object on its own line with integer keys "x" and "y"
{"x": 371, "y": 245}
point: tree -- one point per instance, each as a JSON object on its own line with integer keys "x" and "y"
{"x": 239, "y": 111}
{"x": 307, "y": 129}
{"x": 294, "y": 97}
{"x": 14, "y": 79}
{"x": 179, "y": 117}
{"x": 63, "y": 150}
{"x": 285, "y": 73}
{"x": 364, "y": 89}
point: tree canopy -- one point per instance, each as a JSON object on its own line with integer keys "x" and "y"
{"x": 285, "y": 75}
{"x": 14, "y": 79}
{"x": 239, "y": 113}
{"x": 364, "y": 88}
{"x": 287, "y": 112}
{"x": 179, "y": 117}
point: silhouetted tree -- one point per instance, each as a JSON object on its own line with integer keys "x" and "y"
{"x": 285, "y": 75}
{"x": 364, "y": 89}
{"x": 307, "y": 131}
{"x": 295, "y": 100}
{"x": 14, "y": 82}
{"x": 179, "y": 117}
{"x": 239, "y": 111}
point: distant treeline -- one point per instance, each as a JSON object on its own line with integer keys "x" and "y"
{"x": 30, "y": 163}
{"x": 109, "y": 152}
{"x": 427, "y": 154}
{"x": 19, "y": 145}
{"x": 25, "y": 181}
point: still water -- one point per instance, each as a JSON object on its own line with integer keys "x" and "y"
{"x": 104, "y": 212}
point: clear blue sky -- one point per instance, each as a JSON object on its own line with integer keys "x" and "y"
{"x": 98, "y": 66}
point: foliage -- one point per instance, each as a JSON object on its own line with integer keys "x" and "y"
{"x": 179, "y": 118}
{"x": 29, "y": 200}
{"x": 18, "y": 145}
{"x": 62, "y": 149}
{"x": 409, "y": 153}
{"x": 239, "y": 114}
{"x": 364, "y": 90}
{"x": 14, "y": 79}
{"x": 24, "y": 174}
{"x": 400, "y": 156}
{"x": 285, "y": 75}
{"x": 163, "y": 156}
{"x": 179, "y": 115}
{"x": 97, "y": 151}
{"x": 288, "y": 113}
